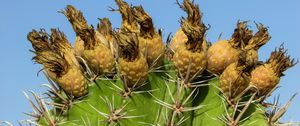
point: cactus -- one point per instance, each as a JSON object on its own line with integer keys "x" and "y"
{"x": 128, "y": 77}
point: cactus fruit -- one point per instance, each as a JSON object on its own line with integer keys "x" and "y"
{"x": 94, "y": 51}
{"x": 150, "y": 40}
{"x": 128, "y": 21}
{"x": 78, "y": 22}
{"x": 135, "y": 83}
{"x": 235, "y": 79}
{"x": 260, "y": 38}
{"x": 265, "y": 77}
{"x": 132, "y": 63}
{"x": 105, "y": 31}
{"x": 194, "y": 18}
{"x": 58, "y": 61}
{"x": 220, "y": 55}
{"x": 224, "y": 52}
{"x": 193, "y": 53}
{"x": 79, "y": 46}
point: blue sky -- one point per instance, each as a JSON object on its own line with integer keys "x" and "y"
{"x": 18, "y": 73}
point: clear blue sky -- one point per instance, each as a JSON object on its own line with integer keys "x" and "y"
{"x": 17, "y": 17}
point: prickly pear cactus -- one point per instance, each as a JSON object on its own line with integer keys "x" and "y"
{"x": 129, "y": 77}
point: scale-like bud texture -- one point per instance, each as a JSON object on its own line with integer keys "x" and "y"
{"x": 178, "y": 40}
{"x": 134, "y": 71}
{"x": 73, "y": 82}
{"x": 100, "y": 59}
{"x": 220, "y": 55}
{"x": 79, "y": 46}
{"x": 184, "y": 58}
{"x": 233, "y": 80}
{"x": 264, "y": 79}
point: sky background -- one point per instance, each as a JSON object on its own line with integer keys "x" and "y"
{"x": 18, "y": 17}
